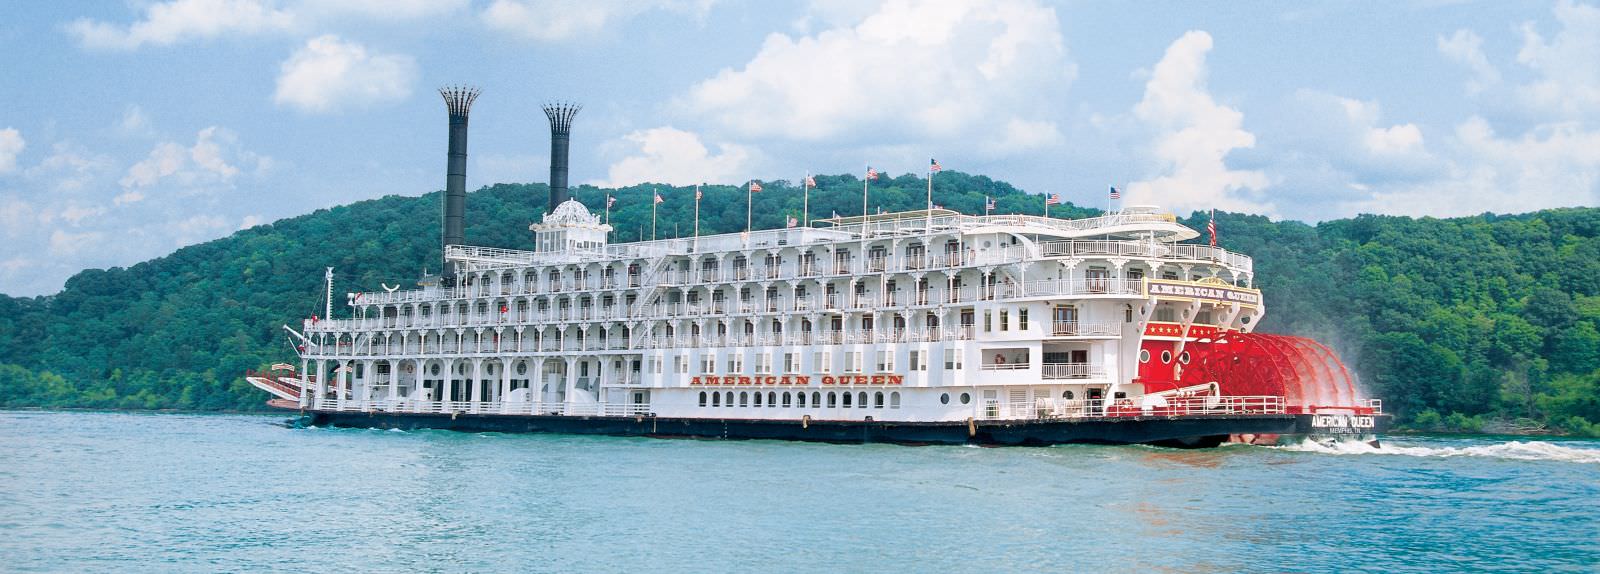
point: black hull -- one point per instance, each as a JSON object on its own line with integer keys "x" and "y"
{"x": 1188, "y": 431}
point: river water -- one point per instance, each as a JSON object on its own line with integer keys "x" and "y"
{"x": 206, "y": 493}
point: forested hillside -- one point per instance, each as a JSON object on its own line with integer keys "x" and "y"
{"x": 1455, "y": 323}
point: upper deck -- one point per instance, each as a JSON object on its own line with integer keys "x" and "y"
{"x": 1133, "y": 233}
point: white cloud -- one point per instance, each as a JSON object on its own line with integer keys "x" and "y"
{"x": 16, "y": 217}
{"x": 204, "y": 164}
{"x": 77, "y": 213}
{"x": 134, "y": 121}
{"x": 65, "y": 244}
{"x": 127, "y": 197}
{"x": 924, "y": 70}
{"x": 250, "y": 221}
{"x": 167, "y": 23}
{"x": 673, "y": 156}
{"x": 11, "y": 145}
{"x": 70, "y": 168}
{"x": 552, "y": 20}
{"x": 1552, "y": 166}
{"x": 1466, "y": 48}
{"x": 1569, "y": 64}
{"x": 1194, "y": 135}
{"x": 328, "y": 74}
{"x": 384, "y": 10}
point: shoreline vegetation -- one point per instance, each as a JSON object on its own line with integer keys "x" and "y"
{"x": 1481, "y": 324}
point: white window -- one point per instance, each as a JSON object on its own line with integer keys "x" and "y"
{"x": 655, "y": 365}
{"x": 885, "y": 361}
{"x": 680, "y": 364}
{"x": 764, "y": 363}
{"x": 852, "y": 361}
{"x": 919, "y": 360}
{"x": 791, "y": 363}
{"x": 952, "y": 359}
{"x": 914, "y": 359}
{"x": 735, "y": 363}
{"x": 1005, "y": 320}
{"x": 988, "y": 321}
{"x": 708, "y": 364}
{"x": 824, "y": 362}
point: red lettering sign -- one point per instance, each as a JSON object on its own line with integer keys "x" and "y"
{"x": 896, "y": 379}
{"x": 802, "y": 380}
{"x": 827, "y": 379}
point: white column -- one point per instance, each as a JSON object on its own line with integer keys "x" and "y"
{"x": 449, "y": 380}
{"x": 475, "y": 392}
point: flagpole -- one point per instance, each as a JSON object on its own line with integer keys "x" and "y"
{"x": 865, "y": 179}
{"x": 928, "y": 227}
{"x": 749, "y": 203}
{"x": 655, "y": 201}
{"x": 608, "y": 214}
{"x": 805, "y": 202}
{"x": 1047, "y": 204}
{"x": 697, "y": 217}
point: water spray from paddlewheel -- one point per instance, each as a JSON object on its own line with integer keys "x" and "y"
{"x": 1306, "y": 373}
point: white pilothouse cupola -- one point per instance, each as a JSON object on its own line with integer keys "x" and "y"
{"x": 571, "y": 228}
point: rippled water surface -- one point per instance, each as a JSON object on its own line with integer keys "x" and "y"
{"x": 162, "y": 493}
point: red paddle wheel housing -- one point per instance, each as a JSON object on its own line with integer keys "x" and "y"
{"x": 1307, "y": 374}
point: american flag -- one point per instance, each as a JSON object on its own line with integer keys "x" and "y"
{"x": 989, "y": 203}
{"x": 658, "y": 198}
{"x": 697, "y": 195}
{"x": 1212, "y": 227}
{"x": 1114, "y": 193}
{"x": 793, "y": 222}
{"x": 755, "y": 186}
{"x": 871, "y": 173}
{"x": 610, "y": 201}
{"x": 811, "y": 181}
{"x": 1053, "y": 199}
{"x": 935, "y": 168}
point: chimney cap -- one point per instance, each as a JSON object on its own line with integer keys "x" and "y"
{"x": 561, "y": 114}
{"x": 458, "y": 99}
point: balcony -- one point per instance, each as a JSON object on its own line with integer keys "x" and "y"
{"x": 1053, "y": 371}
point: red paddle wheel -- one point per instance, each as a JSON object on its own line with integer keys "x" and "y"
{"x": 1304, "y": 372}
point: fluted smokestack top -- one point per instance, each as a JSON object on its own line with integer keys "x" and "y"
{"x": 458, "y": 99}
{"x": 561, "y": 114}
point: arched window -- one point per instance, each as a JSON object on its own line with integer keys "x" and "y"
{"x": 833, "y": 400}
{"x": 727, "y": 398}
{"x": 744, "y": 399}
{"x": 772, "y": 399}
{"x": 758, "y": 398}
{"x": 702, "y": 398}
{"x": 816, "y": 399}
{"x": 894, "y": 400}
{"x": 846, "y": 401}
{"x": 877, "y": 400}
{"x": 861, "y": 400}
{"x": 716, "y": 399}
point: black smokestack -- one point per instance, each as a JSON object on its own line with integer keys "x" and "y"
{"x": 458, "y": 101}
{"x": 560, "y": 114}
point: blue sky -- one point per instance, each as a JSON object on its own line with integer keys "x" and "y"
{"x": 130, "y": 129}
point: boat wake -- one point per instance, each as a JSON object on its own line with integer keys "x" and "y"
{"x": 1514, "y": 450}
